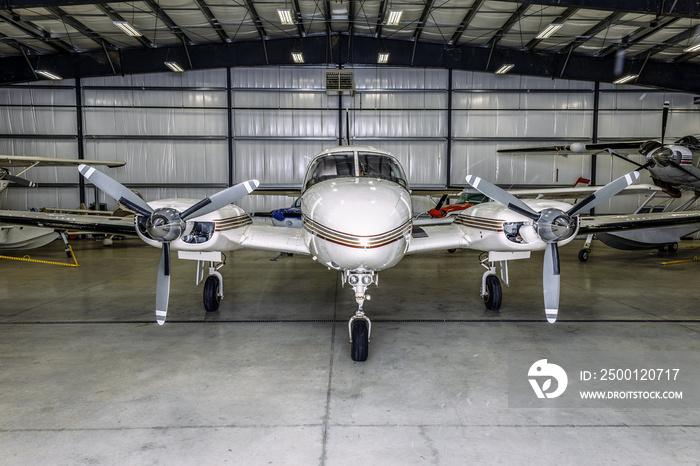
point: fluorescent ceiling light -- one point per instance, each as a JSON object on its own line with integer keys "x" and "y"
{"x": 383, "y": 57}
{"x": 692, "y": 48}
{"x": 285, "y": 15}
{"x": 394, "y": 17}
{"x": 48, "y": 74}
{"x": 504, "y": 69}
{"x": 548, "y": 31}
{"x": 128, "y": 29}
{"x": 298, "y": 57}
{"x": 626, "y": 79}
{"x": 174, "y": 66}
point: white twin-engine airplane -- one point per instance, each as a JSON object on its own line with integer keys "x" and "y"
{"x": 357, "y": 218}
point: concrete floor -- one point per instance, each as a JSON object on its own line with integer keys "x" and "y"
{"x": 89, "y": 378}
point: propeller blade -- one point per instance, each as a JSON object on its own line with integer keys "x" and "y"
{"x": 115, "y": 189}
{"x": 441, "y": 202}
{"x": 550, "y": 282}
{"x": 614, "y": 153}
{"x": 163, "y": 284}
{"x": 605, "y": 193}
{"x": 220, "y": 199}
{"x": 683, "y": 169}
{"x": 664, "y": 120}
{"x": 502, "y": 197}
{"x": 20, "y": 181}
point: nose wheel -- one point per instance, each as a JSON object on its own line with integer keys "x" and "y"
{"x": 359, "y": 326}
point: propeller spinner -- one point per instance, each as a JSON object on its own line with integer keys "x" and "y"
{"x": 165, "y": 224}
{"x": 552, "y": 225}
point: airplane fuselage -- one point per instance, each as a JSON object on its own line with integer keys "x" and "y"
{"x": 357, "y": 223}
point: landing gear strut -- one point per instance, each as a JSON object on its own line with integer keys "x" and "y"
{"x": 359, "y": 326}
{"x": 214, "y": 284}
{"x": 491, "y": 290}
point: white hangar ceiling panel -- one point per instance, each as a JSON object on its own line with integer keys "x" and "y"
{"x": 444, "y": 20}
{"x": 366, "y": 14}
{"x": 487, "y": 21}
{"x": 312, "y": 16}
{"x": 95, "y": 20}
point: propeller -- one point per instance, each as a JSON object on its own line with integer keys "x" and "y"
{"x": 5, "y": 175}
{"x": 664, "y": 120}
{"x": 552, "y": 225}
{"x": 165, "y": 224}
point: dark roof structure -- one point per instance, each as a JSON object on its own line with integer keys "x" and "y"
{"x": 598, "y": 40}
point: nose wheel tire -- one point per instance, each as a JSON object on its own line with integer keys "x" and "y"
{"x": 493, "y": 296}
{"x": 211, "y": 294}
{"x": 583, "y": 255}
{"x": 360, "y": 340}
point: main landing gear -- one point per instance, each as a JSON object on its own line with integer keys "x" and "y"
{"x": 214, "y": 284}
{"x": 359, "y": 326}
{"x": 491, "y": 290}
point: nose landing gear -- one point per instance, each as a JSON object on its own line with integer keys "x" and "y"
{"x": 359, "y": 325}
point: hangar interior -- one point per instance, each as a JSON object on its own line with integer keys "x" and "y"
{"x": 192, "y": 134}
{"x": 89, "y": 378}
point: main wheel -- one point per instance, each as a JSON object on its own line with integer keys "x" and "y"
{"x": 360, "y": 340}
{"x": 583, "y": 255}
{"x": 493, "y": 293}
{"x": 211, "y": 293}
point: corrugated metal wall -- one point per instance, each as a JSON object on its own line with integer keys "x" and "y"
{"x": 192, "y": 134}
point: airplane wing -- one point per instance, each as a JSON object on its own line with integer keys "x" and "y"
{"x": 611, "y": 223}
{"x": 436, "y": 238}
{"x": 579, "y": 192}
{"x": 574, "y": 148}
{"x": 273, "y": 238}
{"x": 9, "y": 161}
{"x": 71, "y": 222}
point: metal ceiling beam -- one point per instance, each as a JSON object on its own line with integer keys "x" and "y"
{"x": 637, "y": 36}
{"x": 431, "y": 55}
{"x": 163, "y": 16}
{"x": 423, "y": 18}
{"x": 559, "y": 20}
{"x": 514, "y": 18}
{"x": 7, "y": 40}
{"x": 114, "y": 16}
{"x": 298, "y": 18}
{"x": 258, "y": 25}
{"x": 592, "y": 32}
{"x": 668, "y": 43}
{"x": 35, "y": 32}
{"x": 466, "y": 21}
{"x": 381, "y": 18}
{"x": 680, "y": 8}
{"x": 213, "y": 22}
{"x": 78, "y": 26}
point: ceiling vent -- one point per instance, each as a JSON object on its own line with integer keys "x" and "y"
{"x": 340, "y": 81}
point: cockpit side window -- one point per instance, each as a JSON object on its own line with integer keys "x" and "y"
{"x": 381, "y": 166}
{"x": 338, "y": 164}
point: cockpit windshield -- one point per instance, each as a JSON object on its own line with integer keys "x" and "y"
{"x": 355, "y": 164}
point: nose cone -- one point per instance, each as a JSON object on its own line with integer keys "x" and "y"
{"x": 363, "y": 208}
